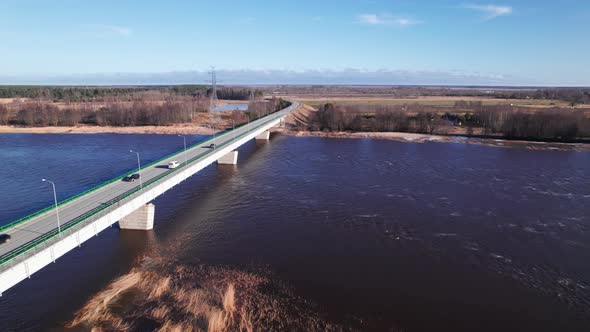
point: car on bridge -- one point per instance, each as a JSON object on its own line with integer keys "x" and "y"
{"x": 131, "y": 178}
{"x": 173, "y": 164}
{"x": 4, "y": 238}
{"x": 212, "y": 146}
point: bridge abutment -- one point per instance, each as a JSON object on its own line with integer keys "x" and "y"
{"x": 265, "y": 135}
{"x": 141, "y": 219}
{"x": 229, "y": 159}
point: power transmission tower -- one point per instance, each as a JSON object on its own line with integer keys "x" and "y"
{"x": 213, "y": 96}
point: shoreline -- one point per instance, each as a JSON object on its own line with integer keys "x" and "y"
{"x": 191, "y": 129}
{"x": 426, "y": 138}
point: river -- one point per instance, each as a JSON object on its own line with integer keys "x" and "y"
{"x": 374, "y": 234}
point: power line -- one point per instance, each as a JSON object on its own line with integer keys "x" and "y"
{"x": 213, "y": 95}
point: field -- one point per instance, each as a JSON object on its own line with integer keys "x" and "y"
{"x": 63, "y": 105}
{"x": 475, "y": 116}
{"x": 427, "y": 101}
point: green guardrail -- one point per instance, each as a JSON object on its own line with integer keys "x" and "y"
{"x": 17, "y": 222}
{"x": 102, "y": 185}
{"x": 84, "y": 217}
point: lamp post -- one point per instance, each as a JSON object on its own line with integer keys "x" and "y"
{"x": 233, "y": 130}
{"x": 56, "y": 208}
{"x": 214, "y": 137}
{"x": 138, "y": 169}
{"x": 184, "y": 138}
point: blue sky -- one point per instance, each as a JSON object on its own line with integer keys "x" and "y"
{"x": 531, "y": 42}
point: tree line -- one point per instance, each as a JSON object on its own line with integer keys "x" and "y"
{"x": 100, "y": 93}
{"x": 558, "y": 124}
{"x": 238, "y": 94}
{"x": 66, "y": 93}
{"x": 571, "y": 95}
{"x": 137, "y": 113}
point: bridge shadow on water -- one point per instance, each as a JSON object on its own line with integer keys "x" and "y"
{"x": 169, "y": 287}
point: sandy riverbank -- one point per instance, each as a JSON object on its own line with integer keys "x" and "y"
{"x": 190, "y": 129}
{"x": 423, "y": 138}
{"x": 185, "y": 129}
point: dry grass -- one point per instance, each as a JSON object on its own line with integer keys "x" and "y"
{"x": 186, "y": 129}
{"x": 229, "y": 299}
{"x": 9, "y": 100}
{"x": 98, "y": 308}
{"x": 168, "y": 297}
{"x": 428, "y": 101}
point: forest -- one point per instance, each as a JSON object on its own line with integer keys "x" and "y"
{"x": 553, "y": 123}
{"x": 151, "y": 108}
{"x": 101, "y": 93}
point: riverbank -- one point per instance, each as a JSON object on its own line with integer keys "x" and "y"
{"x": 191, "y": 129}
{"x": 184, "y": 129}
{"x": 423, "y": 138}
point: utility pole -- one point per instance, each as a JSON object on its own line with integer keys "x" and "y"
{"x": 213, "y": 96}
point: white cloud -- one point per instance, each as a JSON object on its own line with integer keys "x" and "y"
{"x": 349, "y": 76}
{"x": 405, "y": 21}
{"x": 491, "y": 11}
{"x": 386, "y": 19}
{"x": 371, "y": 19}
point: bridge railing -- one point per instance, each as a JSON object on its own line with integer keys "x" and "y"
{"x": 66, "y": 201}
{"x": 88, "y": 217}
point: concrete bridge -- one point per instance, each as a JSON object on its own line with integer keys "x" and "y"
{"x": 38, "y": 240}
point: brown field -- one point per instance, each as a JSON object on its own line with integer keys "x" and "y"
{"x": 96, "y": 105}
{"x": 315, "y": 100}
{"x": 11, "y": 100}
{"x": 183, "y": 129}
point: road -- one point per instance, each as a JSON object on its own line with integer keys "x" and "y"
{"x": 30, "y": 230}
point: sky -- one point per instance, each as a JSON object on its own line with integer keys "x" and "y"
{"x": 512, "y": 42}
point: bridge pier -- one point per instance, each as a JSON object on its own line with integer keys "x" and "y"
{"x": 20, "y": 260}
{"x": 229, "y": 159}
{"x": 141, "y": 219}
{"x": 265, "y": 136}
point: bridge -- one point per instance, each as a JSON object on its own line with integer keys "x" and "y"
{"x": 41, "y": 238}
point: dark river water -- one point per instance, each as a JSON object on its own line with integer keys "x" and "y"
{"x": 417, "y": 237}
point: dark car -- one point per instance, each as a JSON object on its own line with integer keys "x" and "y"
{"x": 131, "y": 178}
{"x": 4, "y": 238}
{"x": 212, "y": 146}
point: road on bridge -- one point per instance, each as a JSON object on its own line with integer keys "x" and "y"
{"x": 28, "y": 231}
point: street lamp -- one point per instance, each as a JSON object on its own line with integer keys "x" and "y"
{"x": 184, "y": 138}
{"x": 138, "y": 169}
{"x": 56, "y": 208}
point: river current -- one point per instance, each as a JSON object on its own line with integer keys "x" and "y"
{"x": 374, "y": 234}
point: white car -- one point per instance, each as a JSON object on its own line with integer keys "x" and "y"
{"x": 173, "y": 164}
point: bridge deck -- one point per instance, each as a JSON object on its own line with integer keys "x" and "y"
{"x": 32, "y": 232}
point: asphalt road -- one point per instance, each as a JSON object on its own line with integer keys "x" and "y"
{"x": 30, "y": 230}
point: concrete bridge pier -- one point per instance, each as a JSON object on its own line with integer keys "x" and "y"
{"x": 141, "y": 219}
{"x": 264, "y": 136}
{"x": 229, "y": 159}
